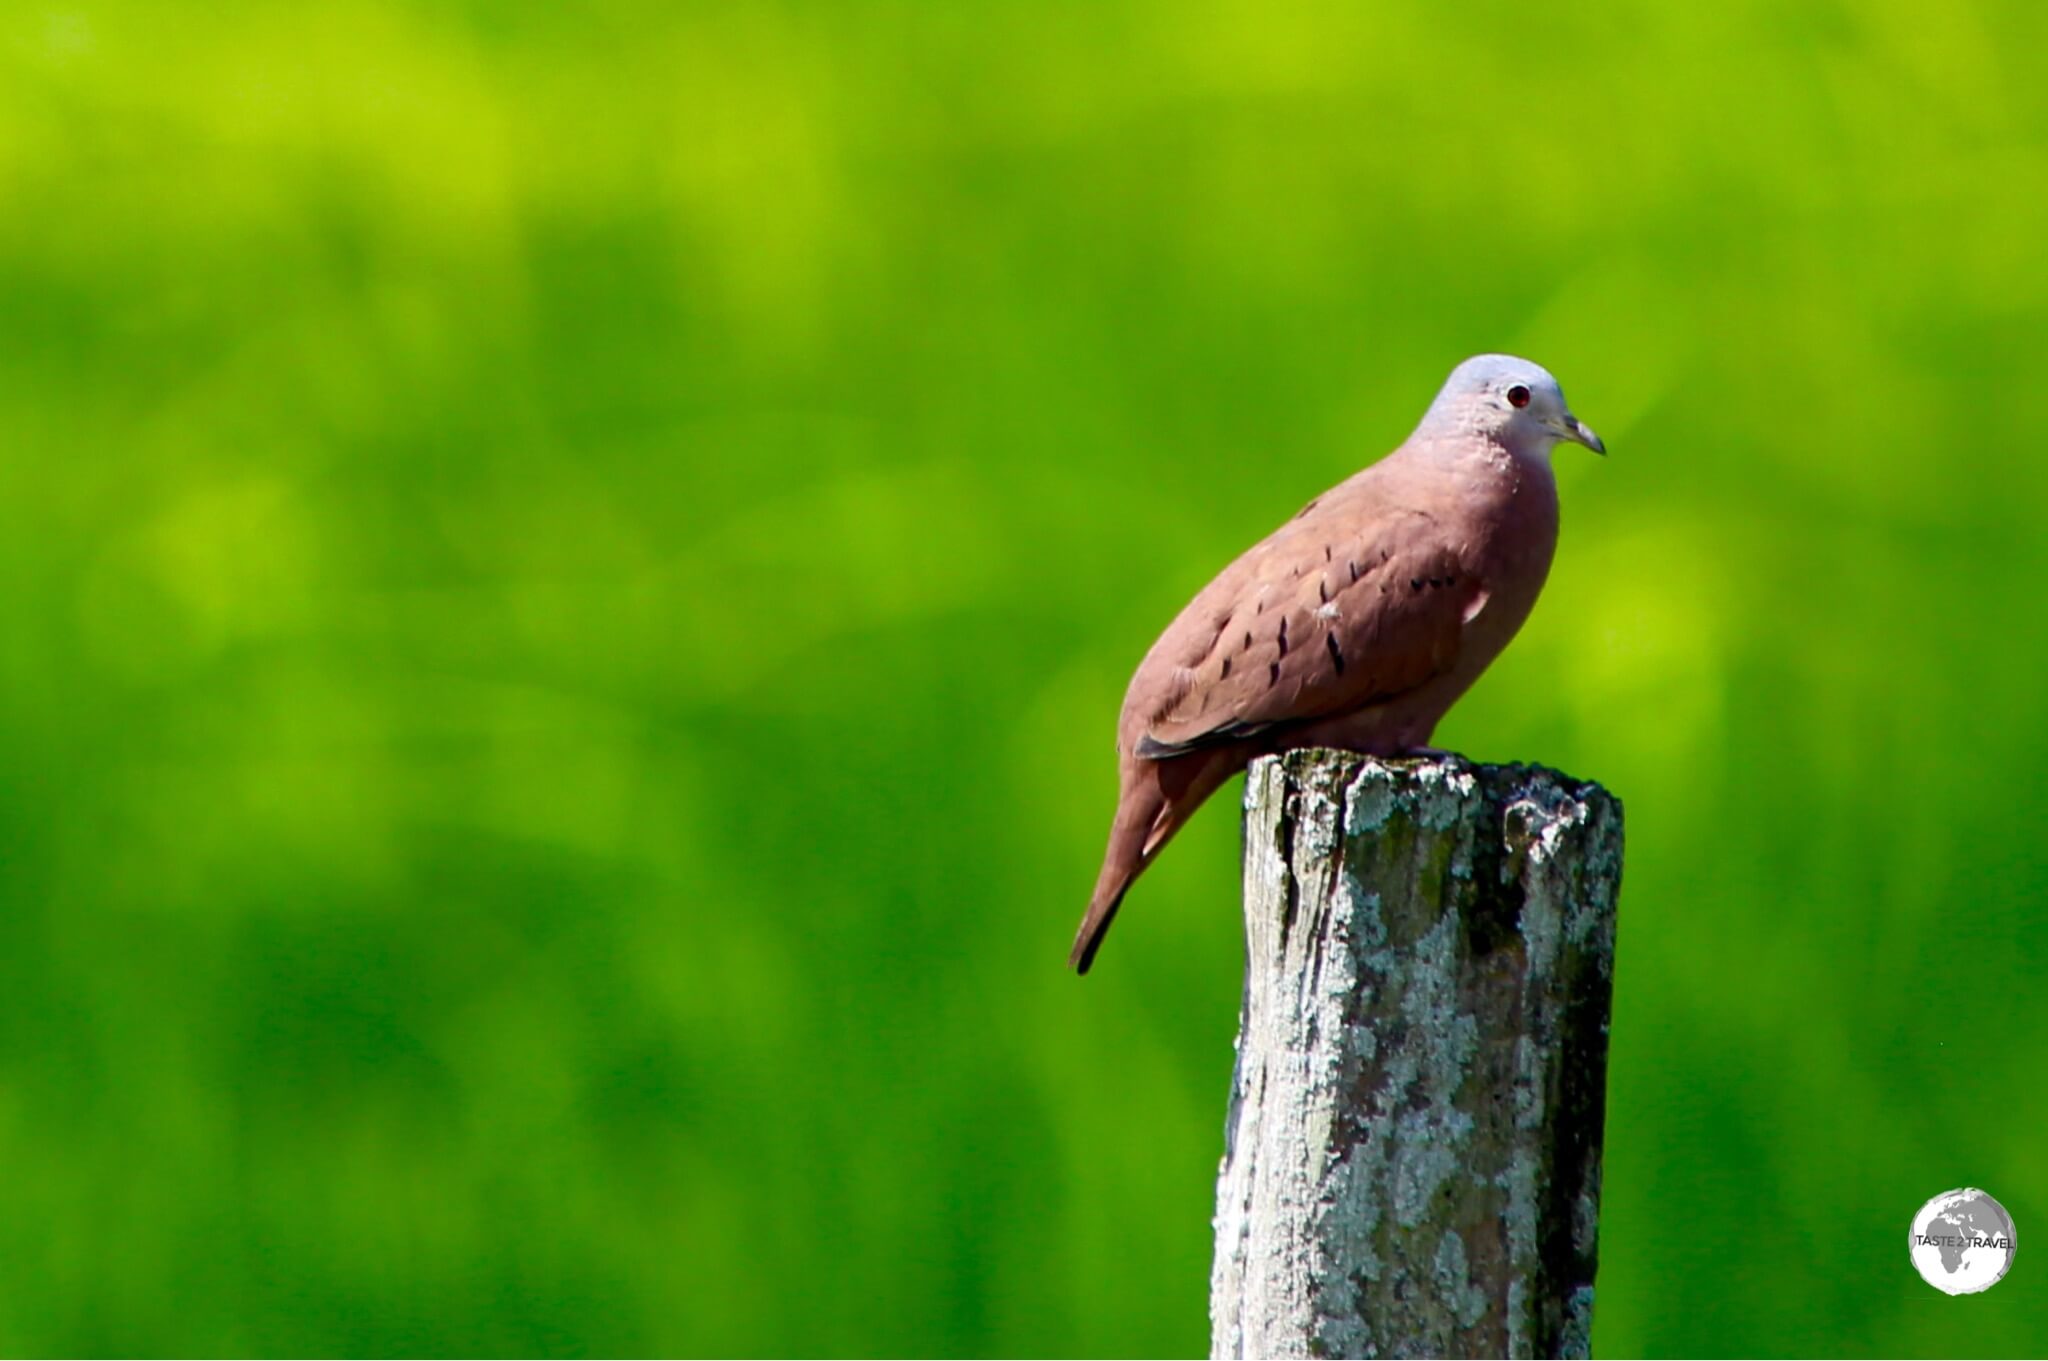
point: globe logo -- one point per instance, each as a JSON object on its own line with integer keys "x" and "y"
{"x": 1962, "y": 1242}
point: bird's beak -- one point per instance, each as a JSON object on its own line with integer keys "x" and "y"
{"x": 1578, "y": 432}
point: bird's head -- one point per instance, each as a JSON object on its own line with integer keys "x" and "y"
{"x": 1511, "y": 400}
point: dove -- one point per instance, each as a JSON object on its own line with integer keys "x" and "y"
{"x": 1357, "y": 624}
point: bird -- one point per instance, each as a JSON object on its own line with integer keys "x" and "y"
{"x": 1355, "y": 625}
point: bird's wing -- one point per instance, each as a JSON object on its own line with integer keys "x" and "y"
{"x": 1327, "y": 616}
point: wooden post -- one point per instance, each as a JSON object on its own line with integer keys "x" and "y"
{"x": 1412, "y": 1165}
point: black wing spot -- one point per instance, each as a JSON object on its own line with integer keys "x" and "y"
{"x": 1226, "y": 668}
{"x": 1283, "y": 636}
{"x": 1326, "y": 552}
{"x": 1247, "y": 638}
{"x": 1336, "y": 653}
{"x": 1323, "y": 589}
{"x": 1414, "y": 583}
{"x": 1273, "y": 674}
{"x": 1355, "y": 573}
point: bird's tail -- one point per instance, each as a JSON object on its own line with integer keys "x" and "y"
{"x": 1157, "y": 799}
{"x": 1123, "y": 862}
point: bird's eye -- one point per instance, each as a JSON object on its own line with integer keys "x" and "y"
{"x": 1518, "y": 396}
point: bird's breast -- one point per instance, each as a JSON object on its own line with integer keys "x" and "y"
{"x": 1510, "y": 529}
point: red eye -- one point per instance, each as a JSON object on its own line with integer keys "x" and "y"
{"x": 1518, "y": 396}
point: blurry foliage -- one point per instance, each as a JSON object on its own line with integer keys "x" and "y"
{"x": 569, "y": 571}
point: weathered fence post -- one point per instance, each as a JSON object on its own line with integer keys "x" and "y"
{"x": 1412, "y": 1164}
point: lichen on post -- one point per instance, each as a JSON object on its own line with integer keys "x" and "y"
{"x": 1412, "y": 1164}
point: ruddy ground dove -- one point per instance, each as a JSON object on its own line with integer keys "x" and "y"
{"x": 1357, "y": 623}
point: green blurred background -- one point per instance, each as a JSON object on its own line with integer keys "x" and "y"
{"x": 568, "y": 573}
